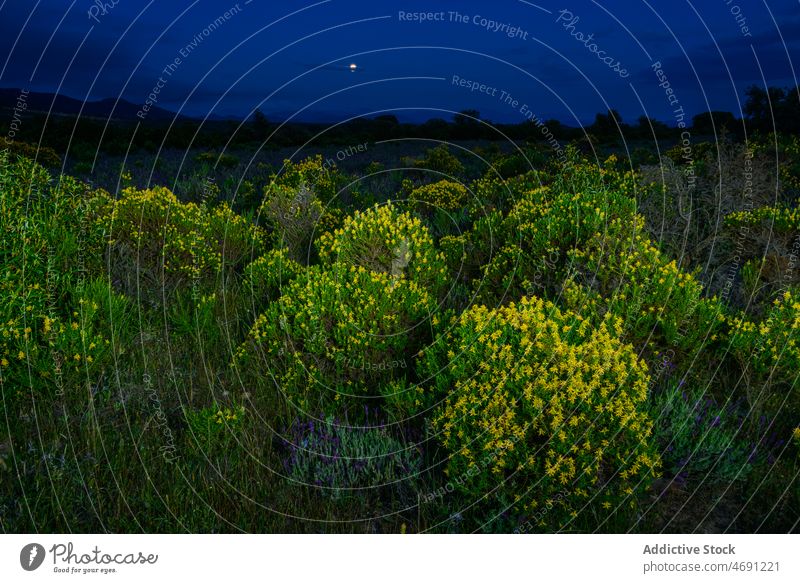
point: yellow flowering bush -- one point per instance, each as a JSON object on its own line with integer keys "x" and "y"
{"x": 51, "y": 329}
{"x": 445, "y": 194}
{"x": 541, "y": 227}
{"x": 235, "y": 237}
{"x": 170, "y": 244}
{"x": 491, "y": 192}
{"x": 770, "y": 351}
{"x": 266, "y": 277}
{"x": 385, "y": 240}
{"x": 319, "y": 175}
{"x": 537, "y": 408}
{"x": 49, "y": 350}
{"x": 296, "y": 218}
{"x": 336, "y": 335}
{"x": 438, "y": 160}
{"x": 658, "y": 303}
{"x": 778, "y": 219}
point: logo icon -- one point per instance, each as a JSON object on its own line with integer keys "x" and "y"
{"x": 31, "y": 556}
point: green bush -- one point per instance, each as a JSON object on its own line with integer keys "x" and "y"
{"x": 662, "y": 307}
{"x": 336, "y": 335}
{"x": 385, "y": 240}
{"x": 440, "y": 161}
{"x": 158, "y": 245}
{"x": 222, "y": 160}
{"x": 767, "y": 352}
{"x": 343, "y": 461}
{"x": 266, "y": 277}
{"x": 700, "y": 440}
{"x": 295, "y": 217}
{"x": 541, "y": 228}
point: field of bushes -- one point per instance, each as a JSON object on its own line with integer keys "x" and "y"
{"x": 456, "y": 339}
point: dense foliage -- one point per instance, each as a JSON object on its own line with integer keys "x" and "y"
{"x": 550, "y": 343}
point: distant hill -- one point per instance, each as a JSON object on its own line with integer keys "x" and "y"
{"x": 119, "y": 109}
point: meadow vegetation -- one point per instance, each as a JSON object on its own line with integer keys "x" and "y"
{"x": 574, "y": 344}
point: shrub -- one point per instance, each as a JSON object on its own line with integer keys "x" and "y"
{"x": 235, "y": 237}
{"x": 768, "y": 352}
{"x": 684, "y": 205}
{"x": 384, "y": 240}
{"x": 539, "y": 408}
{"x": 266, "y": 277}
{"x": 660, "y": 305}
{"x": 769, "y": 237}
{"x": 222, "y": 160}
{"x": 336, "y": 335}
{"x": 158, "y": 244}
{"x": 440, "y": 161}
{"x": 698, "y": 439}
{"x": 347, "y": 461}
{"x": 53, "y": 336}
{"x": 293, "y": 215}
{"x": 535, "y": 236}
{"x": 320, "y": 176}
{"x": 445, "y": 194}
{"x": 492, "y": 192}
{"x": 42, "y": 154}
{"x": 52, "y": 351}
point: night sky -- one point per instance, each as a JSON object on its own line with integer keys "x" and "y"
{"x": 292, "y": 59}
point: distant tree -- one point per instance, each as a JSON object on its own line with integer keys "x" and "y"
{"x": 710, "y": 122}
{"x": 773, "y": 109}
{"x": 260, "y": 124}
{"x": 467, "y": 116}
{"x": 608, "y": 124}
{"x": 388, "y": 118}
{"x": 435, "y": 129}
{"x": 647, "y": 126}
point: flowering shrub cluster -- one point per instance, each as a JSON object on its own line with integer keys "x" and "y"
{"x": 541, "y": 227}
{"x": 438, "y": 160}
{"x": 318, "y": 175}
{"x": 171, "y": 244}
{"x": 46, "y": 351}
{"x": 52, "y": 333}
{"x": 266, "y": 277}
{"x": 384, "y": 240}
{"x": 660, "y": 304}
{"x": 779, "y": 218}
{"x": 445, "y": 194}
{"x": 770, "y": 350}
{"x": 534, "y": 359}
{"x": 334, "y": 335}
{"x": 296, "y": 217}
{"x": 560, "y": 402}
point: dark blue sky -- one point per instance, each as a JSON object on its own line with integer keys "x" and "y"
{"x": 291, "y": 58}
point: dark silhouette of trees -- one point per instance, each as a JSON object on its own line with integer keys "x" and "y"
{"x": 710, "y": 122}
{"x": 773, "y": 109}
